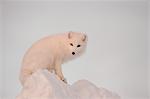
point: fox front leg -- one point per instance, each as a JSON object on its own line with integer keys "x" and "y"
{"x": 58, "y": 71}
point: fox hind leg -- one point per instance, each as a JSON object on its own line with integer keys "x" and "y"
{"x": 24, "y": 75}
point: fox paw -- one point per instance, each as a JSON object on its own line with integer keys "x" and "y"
{"x": 64, "y": 80}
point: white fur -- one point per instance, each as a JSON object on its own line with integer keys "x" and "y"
{"x": 50, "y": 52}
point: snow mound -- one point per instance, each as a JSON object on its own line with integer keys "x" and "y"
{"x": 45, "y": 85}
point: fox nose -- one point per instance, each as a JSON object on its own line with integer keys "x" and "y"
{"x": 73, "y": 53}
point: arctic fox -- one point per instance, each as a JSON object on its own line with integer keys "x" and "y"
{"x": 50, "y": 52}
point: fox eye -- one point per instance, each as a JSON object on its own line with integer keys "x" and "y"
{"x": 71, "y": 44}
{"x": 78, "y": 45}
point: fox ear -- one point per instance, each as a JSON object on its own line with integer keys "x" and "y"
{"x": 70, "y": 34}
{"x": 84, "y": 38}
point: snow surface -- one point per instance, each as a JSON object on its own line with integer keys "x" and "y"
{"x": 45, "y": 85}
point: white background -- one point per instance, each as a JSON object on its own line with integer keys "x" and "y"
{"x": 117, "y": 52}
{"x": 1, "y": 49}
{"x": 149, "y": 46}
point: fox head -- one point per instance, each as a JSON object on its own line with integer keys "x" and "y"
{"x": 76, "y": 43}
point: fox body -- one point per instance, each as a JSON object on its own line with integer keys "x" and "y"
{"x": 52, "y": 51}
